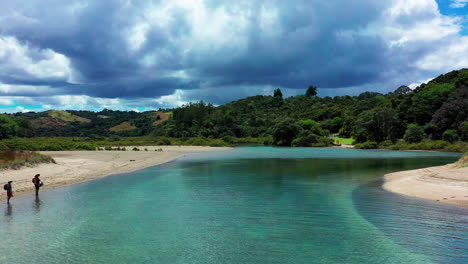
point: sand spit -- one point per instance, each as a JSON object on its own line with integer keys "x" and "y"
{"x": 444, "y": 184}
{"x": 79, "y": 166}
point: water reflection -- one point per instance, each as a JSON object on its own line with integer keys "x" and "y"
{"x": 37, "y": 204}
{"x": 435, "y": 228}
{"x": 9, "y": 211}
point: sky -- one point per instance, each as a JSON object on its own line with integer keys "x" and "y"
{"x": 148, "y": 54}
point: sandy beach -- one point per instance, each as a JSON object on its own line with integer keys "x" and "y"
{"x": 444, "y": 184}
{"x": 78, "y": 166}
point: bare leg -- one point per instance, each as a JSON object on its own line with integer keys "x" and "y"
{"x": 8, "y": 199}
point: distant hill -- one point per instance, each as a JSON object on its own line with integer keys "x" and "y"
{"x": 87, "y": 123}
{"x": 56, "y": 119}
{"x": 435, "y": 110}
{"x": 124, "y": 126}
{"x": 160, "y": 117}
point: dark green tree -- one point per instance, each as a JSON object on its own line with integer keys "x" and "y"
{"x": 450, "y": 135}
{"x": 402, "y": 90}
{"x": 414, "y": 133}
{"x": 285, "y": 132}
{"x": 377, "y": 125}
{"x": 452, "y": 113}
{"x": 8, "y": 127}
{"x": 311, "y": 91}
{"x": 305, "y": 139}
{"x": 278, "y": 94}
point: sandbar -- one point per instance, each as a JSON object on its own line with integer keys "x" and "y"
{"x": 446, "y": 184}
{"x": 78, "y": 166}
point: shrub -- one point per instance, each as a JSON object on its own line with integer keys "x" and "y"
{"x": 465, "y": 131}
{"x": 385, "y": 144}
{"x": 196, "y": 141}
{"x": 414, "y": 133}
{"x": 228, "y": 139}
{"x": 217, "y": 143}
{"x": 323, "y": 142}
{"x": 450, "y": 135}
{"x": 164, "y": 141}
{"x": 268, "y": 141}
{"x": 305, "y": 139}
{"x": 135, "y": 149}
{"x": 285, "y": 131}
{"x": 367, "y": 145}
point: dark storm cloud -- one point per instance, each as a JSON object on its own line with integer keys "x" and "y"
{"x": 119, "y": 48}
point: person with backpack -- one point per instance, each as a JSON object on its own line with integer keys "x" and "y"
{"x": 7, "y": 187}
{"x": 37, "y": 183}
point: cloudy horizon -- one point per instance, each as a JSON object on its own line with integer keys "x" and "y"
{"x": 142, "y": 54}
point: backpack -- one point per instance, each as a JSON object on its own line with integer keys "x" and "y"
{"x": 5, "y": 187}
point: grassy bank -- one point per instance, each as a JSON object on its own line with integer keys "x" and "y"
{"x": 434, "y": 145}
{"x": 346, "y": 141}
{"x": 86, "y": 143}
{"x": 18, "y": 159}
{"x": 463, "y": 162}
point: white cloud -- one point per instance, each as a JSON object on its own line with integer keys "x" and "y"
{"x": 416, "y": 84}
{"x": 11, "y": 89}
{"x": 178, "y": 98}
{"x": 452, "y": 56}
{"x": 458, "y": 3}
{"x": 418, "y": 27}
{"x": 20, "y": 60}
{"x": 6, "y": 101}
{"x": 416, "y": 21}
{"x": 21, "y": 109}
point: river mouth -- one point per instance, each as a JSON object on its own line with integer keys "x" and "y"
{"x": 246, "y": 205}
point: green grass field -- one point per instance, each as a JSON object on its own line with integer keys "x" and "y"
{"x": 346, "y": 141}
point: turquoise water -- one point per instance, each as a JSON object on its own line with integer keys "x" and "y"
{"x": 247, "y": 205}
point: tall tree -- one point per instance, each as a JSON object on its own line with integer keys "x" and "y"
{"x": 452, "y": 113}
{"x": 311, "y": 91}
{"x": 277, "y": 93}
{"x": 377, "y": 125}
{"x": 402, "y": 90}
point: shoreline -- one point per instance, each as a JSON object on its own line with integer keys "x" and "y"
{"x": 445, "y": 184}
{"x": 74, "y": 167}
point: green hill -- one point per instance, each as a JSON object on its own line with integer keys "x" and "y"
{"x": 437, "y": 110}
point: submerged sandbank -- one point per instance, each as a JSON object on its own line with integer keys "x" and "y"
{"x": 79, "y": 166}
{"x": 446, "y": 184}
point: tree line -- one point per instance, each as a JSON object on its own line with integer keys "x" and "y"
{"x": 437, "y": 110}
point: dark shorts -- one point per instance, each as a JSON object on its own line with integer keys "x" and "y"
{"x": 9, "y": 194}
{"x": 37, "y": 186}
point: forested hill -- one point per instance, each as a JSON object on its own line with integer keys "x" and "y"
{"x": 436, "y": 110}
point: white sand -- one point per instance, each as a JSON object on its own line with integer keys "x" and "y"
{"x": 79, "y": 166}
{"x": 444, "y": 184}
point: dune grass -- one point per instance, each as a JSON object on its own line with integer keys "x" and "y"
{"x": 18, "y": 159}
{"x": 463, "y": 162}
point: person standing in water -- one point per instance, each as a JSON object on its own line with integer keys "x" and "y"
{"x": 37, "y": 183}
{"x": 9, "y": 190}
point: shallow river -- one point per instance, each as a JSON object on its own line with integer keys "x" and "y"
{"x": 246, "y": 205}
